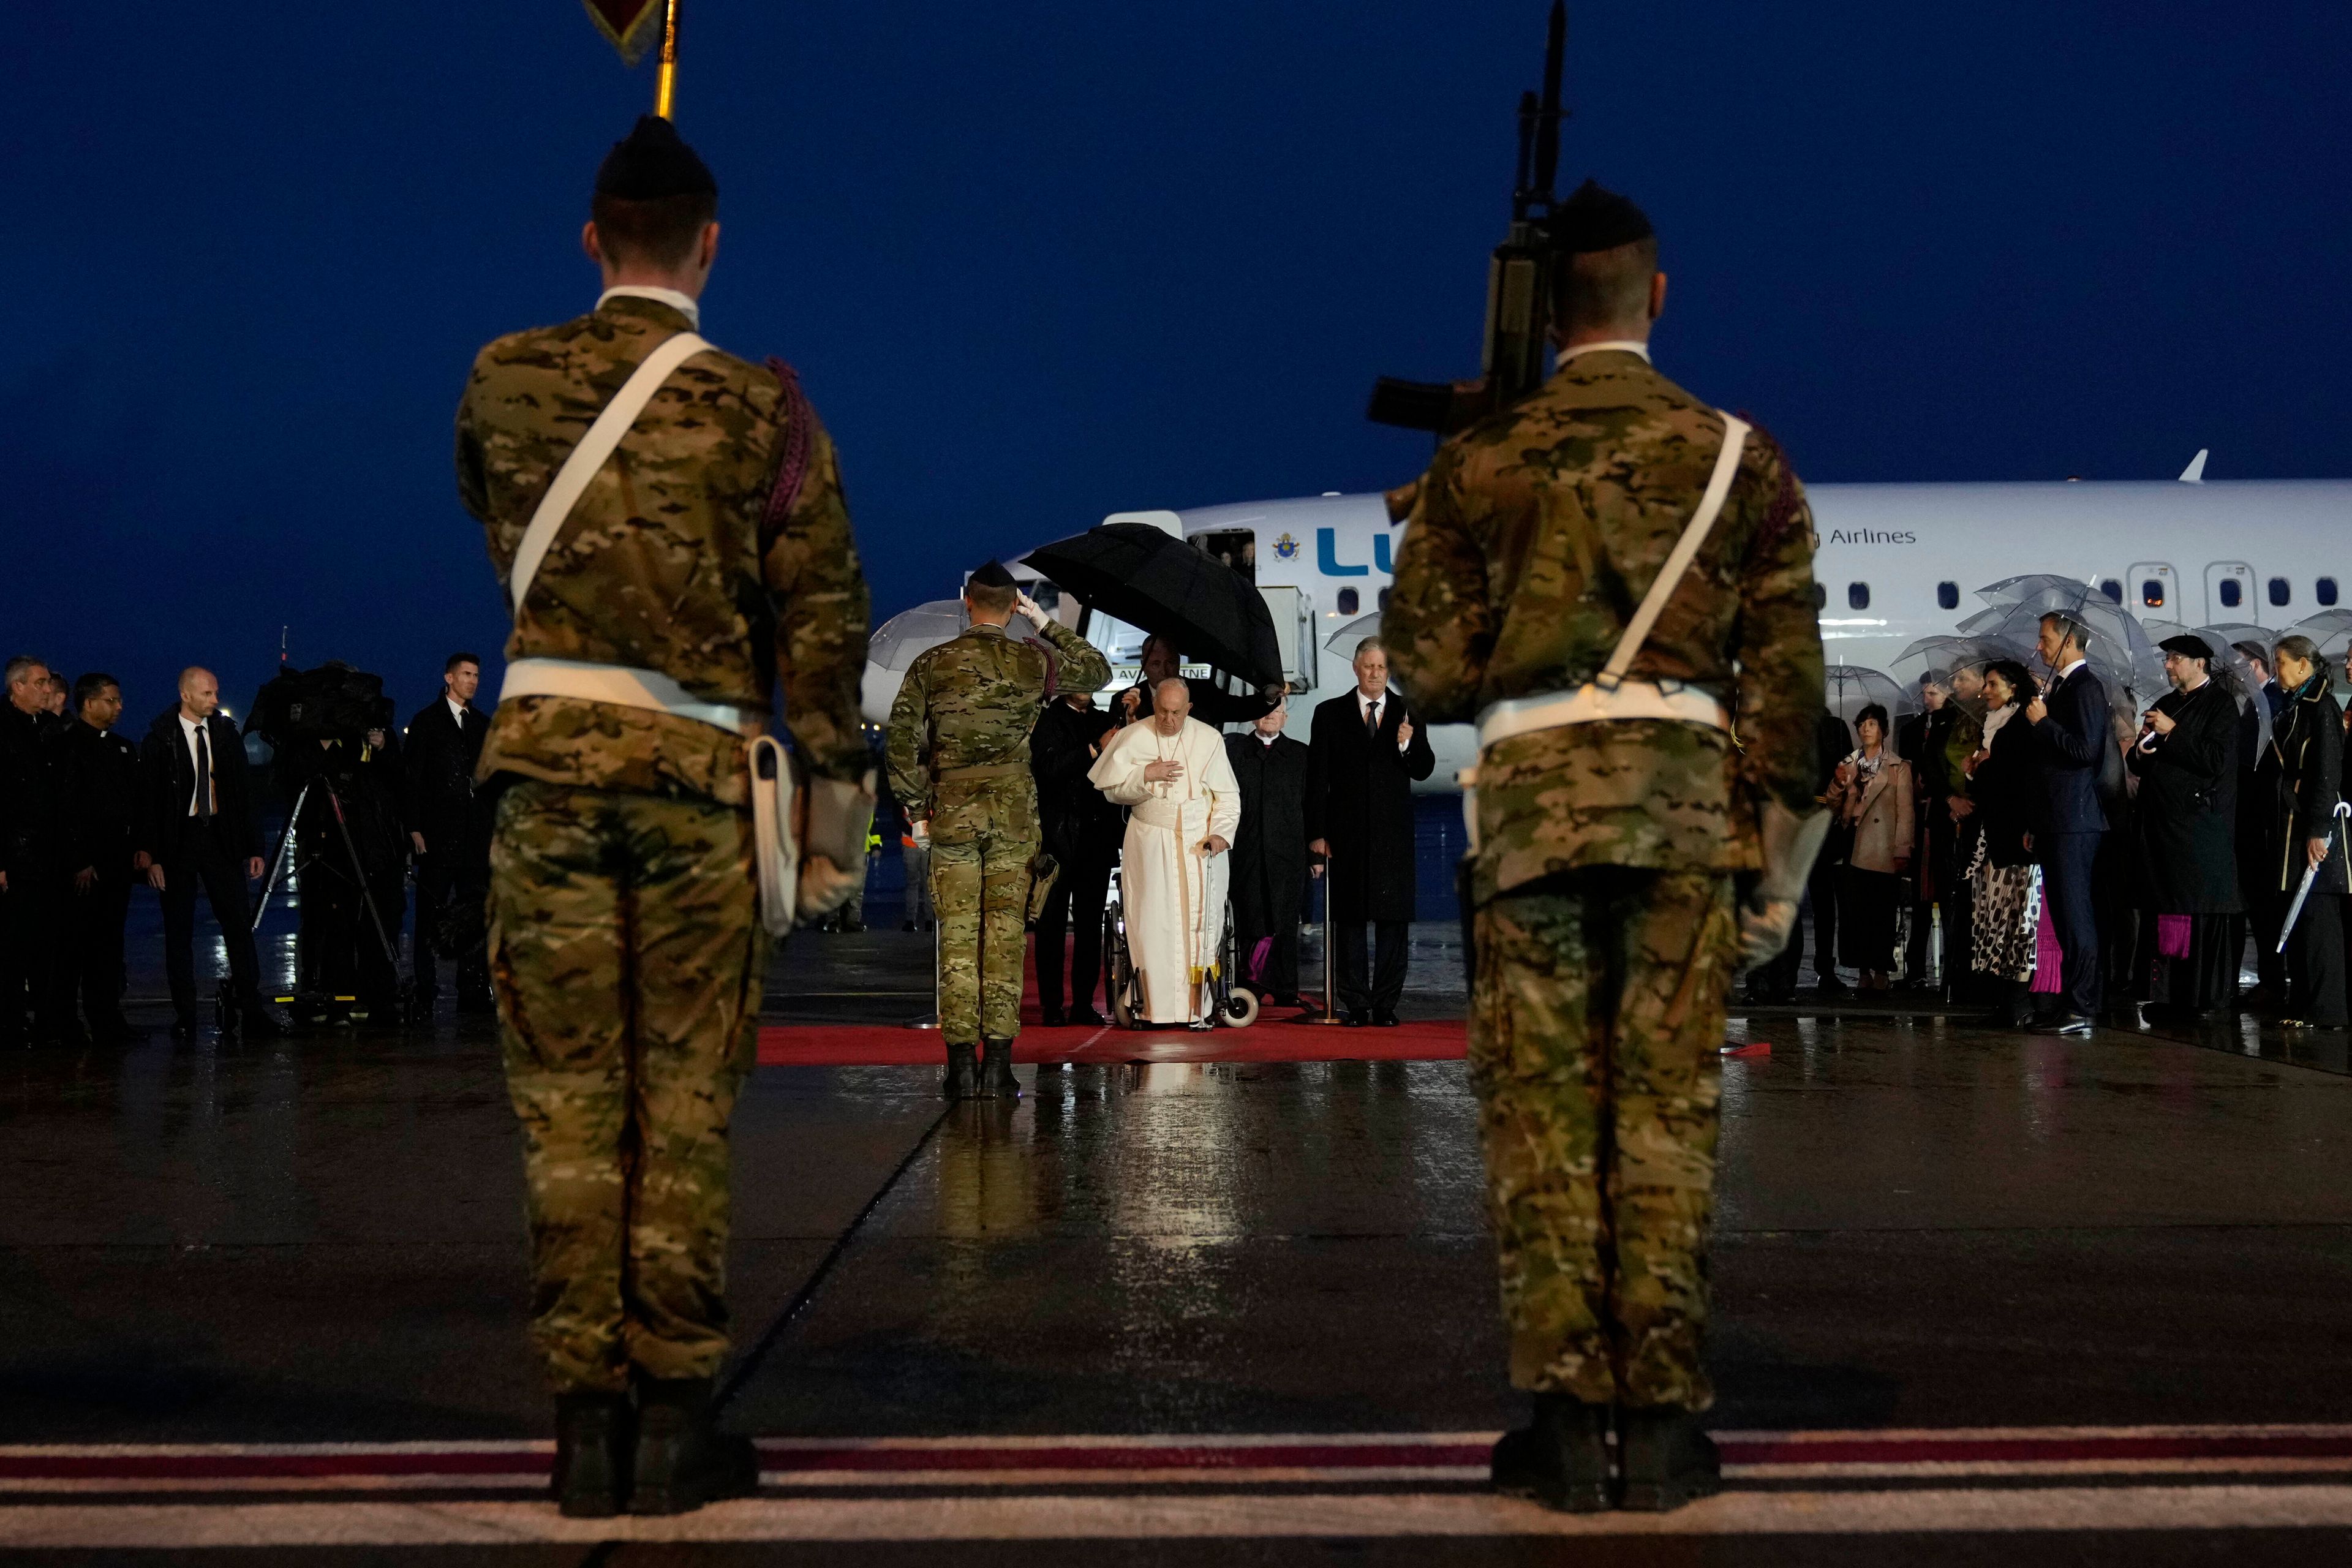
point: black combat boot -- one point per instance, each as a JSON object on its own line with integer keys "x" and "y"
{"x": 592, "y": 1454}
{"x": 1667, "y": 1460}
{"x": 683, "y": 1461}
{"x": 964, "y": 1073}
{"x": 996, "y": 1080}
{"x": 1560, "y": 1459}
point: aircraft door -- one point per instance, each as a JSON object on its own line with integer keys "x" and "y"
{"x": 1294, "y": 626}
{"x": 2151, "y": 588}
{"x": 2229, "y": 592}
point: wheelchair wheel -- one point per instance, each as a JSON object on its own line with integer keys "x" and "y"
{"x": 1119, "y": 983}
{"x": 1239, "y": 1008}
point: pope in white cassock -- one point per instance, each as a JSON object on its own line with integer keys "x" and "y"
{"x": 1183, "y": 808}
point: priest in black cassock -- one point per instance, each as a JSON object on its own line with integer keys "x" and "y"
{"x": 1269, "y": 872}
{"x": 2187, "y": 760}
{"x": 1364, "y": 754}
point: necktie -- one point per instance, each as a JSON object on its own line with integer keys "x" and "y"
{"x": 1372, "y": 718}
{"x": 204, "y": 776}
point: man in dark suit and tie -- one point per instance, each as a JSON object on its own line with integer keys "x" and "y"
{"x": 1363, "y": 754}
{"x": 449, "y": 828}
{"x": 199, "y": 829}
{"x": 2071, "y": 732}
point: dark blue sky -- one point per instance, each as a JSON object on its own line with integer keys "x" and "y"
{"x": 1041, "y": 262}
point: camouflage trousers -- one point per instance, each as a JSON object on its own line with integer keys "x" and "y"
{"x": 627, "y": 957}
{"x": 979, "y": 891}
{"x": 1595, "y": 1028}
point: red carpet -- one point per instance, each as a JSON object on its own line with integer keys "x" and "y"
{"x": 892, "y": 1045}
{"x": 885, "y": 1045}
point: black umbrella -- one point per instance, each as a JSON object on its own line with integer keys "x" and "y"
{"x": 1161, "y": 584}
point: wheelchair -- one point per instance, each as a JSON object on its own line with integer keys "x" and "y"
{"x": 1233, "y": 1004}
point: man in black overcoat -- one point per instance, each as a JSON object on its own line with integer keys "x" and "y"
{"x": 36, "y": 869}
{"x": 198, "y": 830}
{"x": 1364, "y": 755}
{"x": 1082, "y": 832}
{"x": 101, "y": 770}
{"x": 2187, "y": 761}
{"x": 449, "y": 821}
{"x": 2072, "y": 740}
{"x": 1269, "y": 870}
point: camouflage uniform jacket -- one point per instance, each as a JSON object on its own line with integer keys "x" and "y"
{"x": 666, "y": 562}
{"x": 1533, "y": 536}
{"x": 970, "y": 702}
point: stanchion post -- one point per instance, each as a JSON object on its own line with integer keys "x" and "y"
{"x": 1330, "y": 1014}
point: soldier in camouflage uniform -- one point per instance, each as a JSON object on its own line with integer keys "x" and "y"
{"x": 1607, "y": 931}
{"x": 624, "y": 946}
{"x": 958, "y": 757}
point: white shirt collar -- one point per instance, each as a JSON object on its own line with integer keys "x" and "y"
{"x": 2073, "y": 667}
{"x": 1620, "y": 345}
{"x": 188, "y": 726}
{"x": 1364, "y": 702}
{"x": 684, "y": 304}
{"x": 457, "y": 709}
{"x": 1265, "y": 740}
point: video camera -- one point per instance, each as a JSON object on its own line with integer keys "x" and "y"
{"x": 332, "y": 702}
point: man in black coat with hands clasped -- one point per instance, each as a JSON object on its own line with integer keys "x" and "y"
{"x": 198, "y": 829}
{"x": 1081, "y": 831}
{"x": 1270, "y": 854}
{"x": 1364, "y": 754}
{"x": 2072, "y": 742}
{"x": 450, "y": 826}
{"x": 101, "y": 770}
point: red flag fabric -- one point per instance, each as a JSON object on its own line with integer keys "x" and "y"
{"x": 631, "y": 26}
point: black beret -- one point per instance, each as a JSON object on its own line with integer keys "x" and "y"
{"x": 652, "y": 163}
{"x": 991, "y": 576}
{"x": 2188, "y": 647}
{"x": 1595, "y": 219}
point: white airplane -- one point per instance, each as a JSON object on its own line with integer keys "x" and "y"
{"x": 1895, "y": 563}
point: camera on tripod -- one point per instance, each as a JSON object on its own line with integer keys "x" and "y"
{"x": 332, "y": 702}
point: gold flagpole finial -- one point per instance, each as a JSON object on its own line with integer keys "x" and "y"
{"x": 666, "y": 86}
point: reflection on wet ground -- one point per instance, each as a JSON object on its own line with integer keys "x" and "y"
{"x": 1922, "y": 1222}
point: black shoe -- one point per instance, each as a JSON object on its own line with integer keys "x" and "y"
{"x": 1086, "y": 1015}
{"x": 996, "y": 1080}
{"x": 1053, "y": 1017}
{"x": 1359, "y": 1020}
{"x": 476, "y": 1003}
{"x": 964, "y": 1073}
{"x": 908, "y": 925}
{"x": 259, "y": 1023}
{"x": 682, "y": 1460}
{"x": 591, "y": 1453}
{"x": 2076, "y": 1025}
{"x": 116, "y": 1031}
{"x": 1288, "y": 1001}
{"x": 1384, "y": 1019}
{"x": 183, "y": 1025}
{"x": 1561, "y": 1460}
{"x": 1667, "y": 1460}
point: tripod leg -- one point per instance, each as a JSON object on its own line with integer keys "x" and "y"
{"x": 278, "y": 861}
{"x": 358, "y": 870}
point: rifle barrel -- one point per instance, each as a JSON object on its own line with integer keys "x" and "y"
{"x": 1547, "y": 117}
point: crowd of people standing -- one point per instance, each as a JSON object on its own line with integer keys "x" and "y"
{"x": 2080, "y": 860}
{"x": 88, "y": 816}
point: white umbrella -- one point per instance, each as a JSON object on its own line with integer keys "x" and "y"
{"x": 893, "y": 647}
{"x": 1349, "y": 634}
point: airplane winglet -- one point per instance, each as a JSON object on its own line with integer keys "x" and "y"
{"x": 2194, "y": 474}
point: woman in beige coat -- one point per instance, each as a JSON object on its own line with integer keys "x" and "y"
{"x": 1872, "y": 795}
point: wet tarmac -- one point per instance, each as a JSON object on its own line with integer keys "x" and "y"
{"x": 1978, "y": 1292}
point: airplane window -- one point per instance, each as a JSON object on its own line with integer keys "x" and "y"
{"x": 1384, "y": 598}
{"x": 2279, "y": 593}
{"x": 1822, "y": 597}
{"x": 2151, "y": 593}
{"x": 2327, "y": 590}
{"x": 1857, "y": 595}
{"x": 1947, "y": 595}
{"x": 2112, "y": 587}
{"x": 2231, "y": 593}
{"x": 1348, "y": 601}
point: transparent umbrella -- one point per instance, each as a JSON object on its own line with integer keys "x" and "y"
{"x": 2120, "y": 649}
{"x": 1350, "y": 632}
{"x": 2331, "y": 629}
{"x": 1852, "y": 688}
{"x": 895, "y": 643}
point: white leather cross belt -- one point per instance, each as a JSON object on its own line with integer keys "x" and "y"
{"x": 1593, "y": 703}
{"x": 623, "y": 687}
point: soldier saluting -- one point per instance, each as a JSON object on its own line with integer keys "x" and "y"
{"x": 958, "y": 758}
{"x": 668, "y": 523}
{"x": 1600, "y": 576}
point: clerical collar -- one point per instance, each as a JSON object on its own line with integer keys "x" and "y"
{"x": 1265, "y": 740}
{"x": 1618, "y": 345}
{"x": 684, "y": 304}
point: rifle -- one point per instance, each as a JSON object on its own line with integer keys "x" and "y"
{"x": 1520, "y": 277}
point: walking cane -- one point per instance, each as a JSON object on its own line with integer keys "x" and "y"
{"x": 1330, "y": 1014}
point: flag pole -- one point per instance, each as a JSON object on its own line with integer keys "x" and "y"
{"x": 666, "y": 87}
